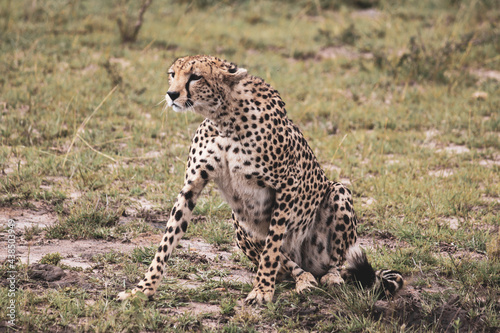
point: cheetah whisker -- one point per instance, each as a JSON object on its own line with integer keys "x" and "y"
{"x": 163, "y": 100}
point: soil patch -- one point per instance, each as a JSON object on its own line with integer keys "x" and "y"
{"x": 198, "y": 251}
{"x": 74, "y": 253}
{"x": 378, "y": 239}
{"x": 40, "y": 215}
{"x": 409, "y": 310}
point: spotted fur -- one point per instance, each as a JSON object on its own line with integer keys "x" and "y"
{"x": 288, "y": 217}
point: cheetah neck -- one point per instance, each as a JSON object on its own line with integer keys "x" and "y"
{"x": 224, "y": 122}
{"x": 242, "y": 108}
{"x": 226, "y": 115}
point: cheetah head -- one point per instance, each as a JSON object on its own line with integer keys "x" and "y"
{"x": 201, "y": 84}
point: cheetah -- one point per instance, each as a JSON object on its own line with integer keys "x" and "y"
{"x": 289, "y": 219}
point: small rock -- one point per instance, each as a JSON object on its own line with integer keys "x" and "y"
{"x": 45, "y": 272}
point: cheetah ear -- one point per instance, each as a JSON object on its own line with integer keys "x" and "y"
{"x": 234, "y": 74}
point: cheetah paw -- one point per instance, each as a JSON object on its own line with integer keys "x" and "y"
{"x": 257, "y": 296}
{"x": 304, "y": 282}
{"x": 123, "y": 296}
{"x": 331, "y": 279}
{"x": 134, "y": 294}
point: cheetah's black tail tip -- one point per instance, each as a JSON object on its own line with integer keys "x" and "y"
{"x": 386, "y": 282}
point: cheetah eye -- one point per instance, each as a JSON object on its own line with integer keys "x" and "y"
{"x": 194, "y": 77}
{"x": 172, "y": 74}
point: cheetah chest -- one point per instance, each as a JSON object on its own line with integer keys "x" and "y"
{"x": 251, "y": 203}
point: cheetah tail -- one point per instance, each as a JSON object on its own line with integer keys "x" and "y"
{"x": 386, "y": 282}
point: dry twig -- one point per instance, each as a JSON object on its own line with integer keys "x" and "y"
{"x": 128, "y": 31}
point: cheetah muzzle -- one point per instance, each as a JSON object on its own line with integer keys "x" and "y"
{"x": 288, "y": 217}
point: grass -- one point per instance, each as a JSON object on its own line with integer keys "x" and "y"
{"x": 386, "y": 97}
{"x": 51, "y": 259}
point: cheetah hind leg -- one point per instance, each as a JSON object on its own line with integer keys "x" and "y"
{"x": 304, "y": 281}
{"x": 332, "y": 278}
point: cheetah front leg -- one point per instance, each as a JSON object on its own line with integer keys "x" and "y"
{"x": 176, "y": 227}
{"x": 269, "y": 263}
{"x": 200, "y": 170}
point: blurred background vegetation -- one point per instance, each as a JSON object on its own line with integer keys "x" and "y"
{"x": 399, "y": 99}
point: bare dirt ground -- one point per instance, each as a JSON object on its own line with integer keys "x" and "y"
{"x": 78, "y": 253}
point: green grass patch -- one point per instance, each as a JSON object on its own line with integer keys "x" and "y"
{"x": 399, "y": 99}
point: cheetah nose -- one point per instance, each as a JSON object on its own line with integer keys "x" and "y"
{"x": 173, "y": 95}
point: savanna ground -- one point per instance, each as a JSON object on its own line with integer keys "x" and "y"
{"x": 399, "y": 101}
